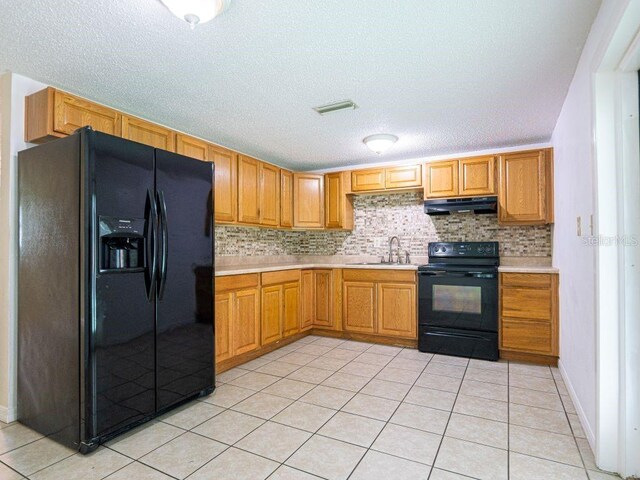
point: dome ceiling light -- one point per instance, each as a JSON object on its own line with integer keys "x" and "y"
{"x": 379, "y": 143}
{"x": 195, "y": 12}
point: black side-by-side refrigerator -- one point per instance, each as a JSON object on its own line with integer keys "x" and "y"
{"x": 115, "y": 285}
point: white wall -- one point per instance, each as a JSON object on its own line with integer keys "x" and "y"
{"x": 13, "y": 89}
{"x": 575, "y": 186}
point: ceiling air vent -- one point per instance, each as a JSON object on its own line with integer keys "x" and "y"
{"x": 335, "y": 107}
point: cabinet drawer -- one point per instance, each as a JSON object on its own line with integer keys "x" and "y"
{"x": 362, "y": 275}
{"x": 283, "y": 276}
{"x": 526, "y": 303}
{"x": 531, "y": 280}
{"x": 526, "y": 336}
{"x": 236, "y": 282}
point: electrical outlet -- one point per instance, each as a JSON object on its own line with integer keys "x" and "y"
{"x": 591, "y": 224}
{"x": 579, "y": 226}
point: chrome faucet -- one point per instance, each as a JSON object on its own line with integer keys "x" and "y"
{"x": 391, "y": 248}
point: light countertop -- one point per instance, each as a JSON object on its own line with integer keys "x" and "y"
{"x": 238, "y": 266}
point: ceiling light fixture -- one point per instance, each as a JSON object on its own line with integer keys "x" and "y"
{"x": 380, "y": 142}
{"x": 195, "y": 12}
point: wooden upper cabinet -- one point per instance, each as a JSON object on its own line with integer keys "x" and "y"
{"x": 286, "y": 198}
{"x": 248, "y": 190}
{"x": 51, "y": 114}
{"x": 368, "y": 180}
{"x": 477, "y": 176}
{"x": 269, "y": 195}
{"x": 192, "y": 147}
{"x": 226, "y": 183}
{"x": 403, "y": 177}
{"x": 308, "y": 200}
{"x": 359, "y": 307}
{"x": 526, "y": 188}
{"x": 441, "y": 179}
{"x": 397, "y": 310}
{"x": 148, "y": 133}
{"x": 338, "y": 206}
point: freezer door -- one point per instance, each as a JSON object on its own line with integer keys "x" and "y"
{"x": 185, "y": 290}
{"x": 121, "y": 337}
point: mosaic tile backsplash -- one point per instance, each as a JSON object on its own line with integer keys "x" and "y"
{"x": 379, "y": 217}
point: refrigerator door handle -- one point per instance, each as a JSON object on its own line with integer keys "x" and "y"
{"x": 165, "y": 244}
{"x": 151, "y": 272}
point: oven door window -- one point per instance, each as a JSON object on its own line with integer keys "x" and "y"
{"x": 457, "y": 299}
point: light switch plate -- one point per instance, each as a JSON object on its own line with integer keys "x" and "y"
{"x": 579, "y": 226}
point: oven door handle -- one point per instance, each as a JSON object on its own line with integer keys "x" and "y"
{"x": 457, "y": 335}
{"x": 443, "y": 273}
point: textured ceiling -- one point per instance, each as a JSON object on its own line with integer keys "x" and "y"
{"x": 445, "y": 76}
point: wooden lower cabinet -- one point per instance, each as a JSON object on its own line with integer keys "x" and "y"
{"x": 237, "y": 315}
{"x": 291, "y": 309}
{"x": 308, "y": 299}
{"x": 380, "y": 302}
{"x": 359, "y": 307}
{"x": 397, "y": 314}
{"x": 529, "y": 316}
{"x": 271, "y": 318}
{"x": 280, "y": 305}
{"x": 246, "y": 321}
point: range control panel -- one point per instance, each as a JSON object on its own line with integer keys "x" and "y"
{"x": 463, "y": 249}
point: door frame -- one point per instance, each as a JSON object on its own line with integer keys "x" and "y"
{"x": 617, "y": 200}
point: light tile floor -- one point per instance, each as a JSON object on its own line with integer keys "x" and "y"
{"x": 334, "y": 409}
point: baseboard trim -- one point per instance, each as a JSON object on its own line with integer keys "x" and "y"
{"x": 529, "y": 357}
{"x": 588, "y": 431}
{"x": 8, "y": 415}
{"x": 364, "y": 337}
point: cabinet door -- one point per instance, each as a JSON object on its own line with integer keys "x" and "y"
{"x": 441, "y": 179}
{"x": 246, "y": 321}
{"x": 359, "y": 307}
{"x": 223, "y": 322}
{"x": 308, "y": 200}
{"x": 523, "y": 188}
{"x": 71, "y": 113}
{"x": 148, "y": 133}
{"x": 271, "y": 318}
{"x": 338, "y": 206}
{"x": 226, "y": 191}
{"x": 286, "y": 198}
{"x": 291, "y": 313}
{"x": 367, "y": 180}
{"x": 403, "y": 177}
{"x": 269, "y": 195}
{"x": 397, "y": 310}
{"x": 248, "y": 190}
{"x": 477, "y": 176}
{"x": 323, "y": 303}
{"x": 192, "y": 147}
{"x": 308, "y": 285}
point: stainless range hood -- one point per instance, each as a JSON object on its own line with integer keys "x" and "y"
{"x": 461, "y": 205}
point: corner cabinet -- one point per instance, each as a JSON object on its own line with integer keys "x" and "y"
{"x": 529, "y": 317}
{"x": 526, "y": 188}
{"x": 308, "y": 200}
{"x": 380, "y": 302}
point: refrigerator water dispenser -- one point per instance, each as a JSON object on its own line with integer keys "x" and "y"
{"x": 121, "y": 244}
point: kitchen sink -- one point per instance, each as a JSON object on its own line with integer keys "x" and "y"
{"x": 375, "y": 263}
